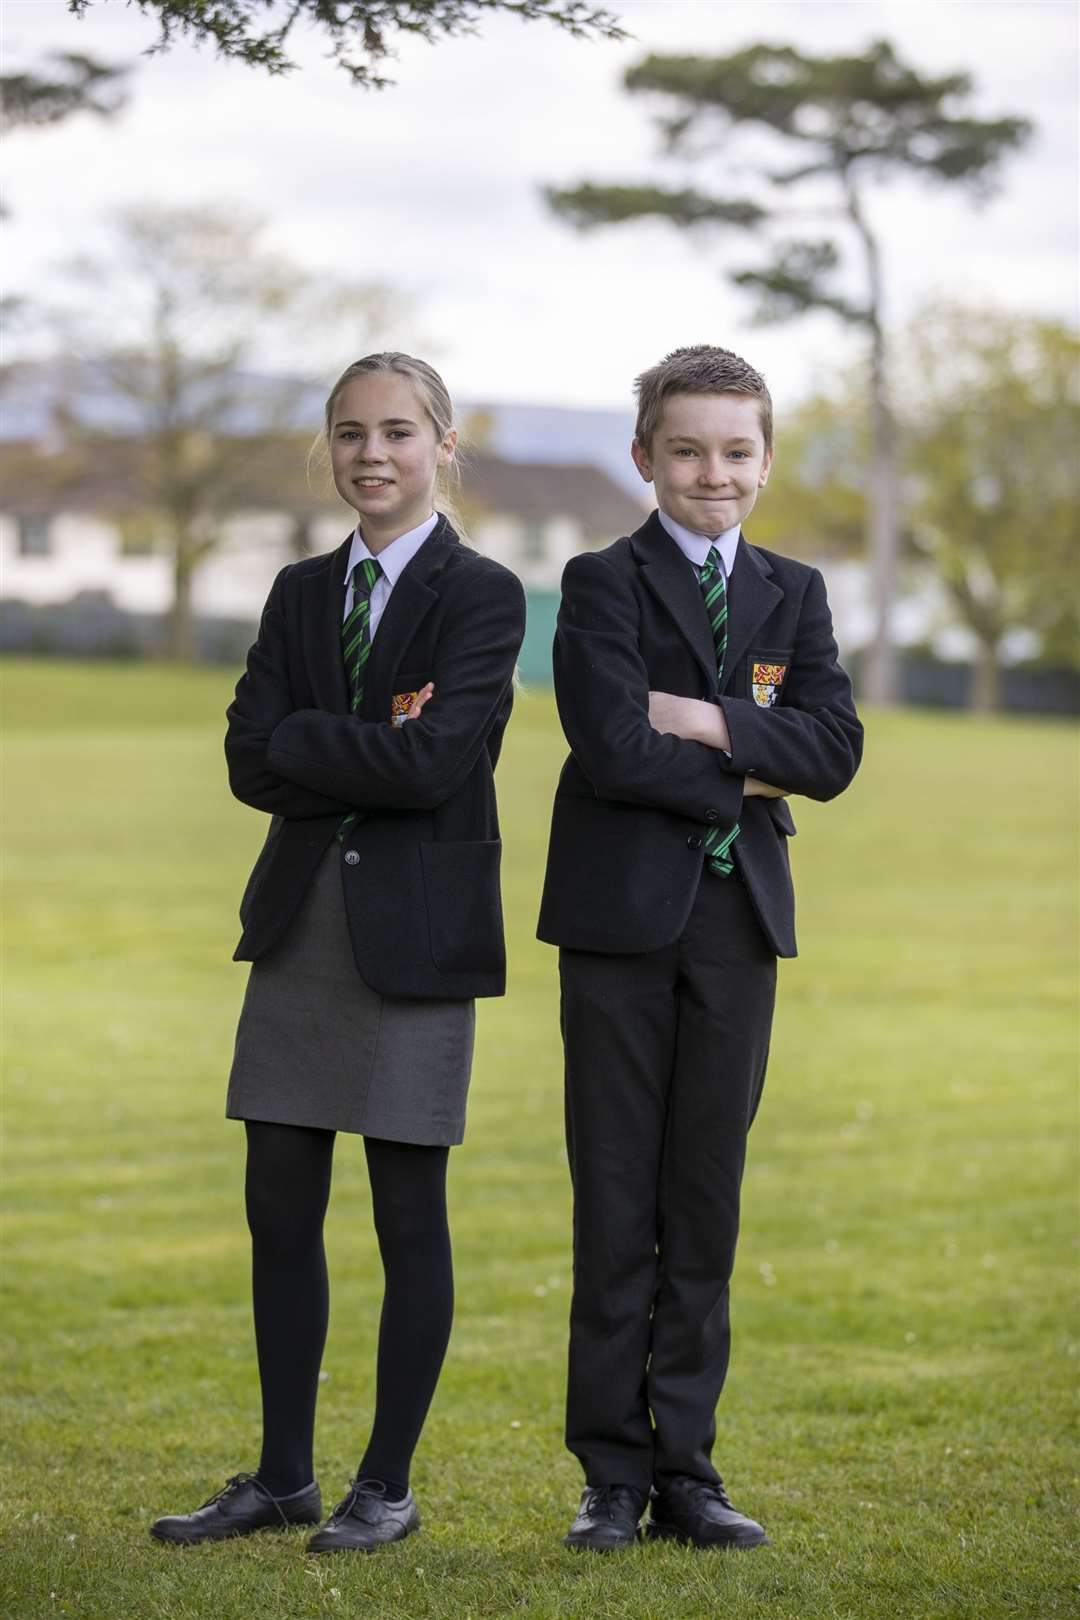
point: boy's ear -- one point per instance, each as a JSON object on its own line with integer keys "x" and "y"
{"x": 642, "y": 460}
{"x": 763, "y": 475}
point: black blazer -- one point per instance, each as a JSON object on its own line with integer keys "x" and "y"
{"x": 632, "y": 805}
{"x": 421, "y": 867}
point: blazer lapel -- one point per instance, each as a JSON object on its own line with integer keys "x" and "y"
{"x": 323, "y": 611}
{"x": 411, "y": 599}
{"x": 670, "y": 578}
{"x": 752, "y": 597}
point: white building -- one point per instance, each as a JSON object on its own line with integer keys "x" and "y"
{"x": 76, "y": 522}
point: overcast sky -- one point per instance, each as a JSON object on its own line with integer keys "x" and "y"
{"x": 433, "y": 185}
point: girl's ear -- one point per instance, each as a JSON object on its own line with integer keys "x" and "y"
{"x": 446, "y": 449}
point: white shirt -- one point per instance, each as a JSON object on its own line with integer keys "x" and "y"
{"x": 696, "y": 547}
{"x": 392, "y": 560}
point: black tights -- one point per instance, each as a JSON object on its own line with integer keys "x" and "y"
{"x": 288, "y": 1185}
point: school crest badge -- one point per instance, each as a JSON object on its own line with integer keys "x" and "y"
{"x": 766, "y": 681}
{"x": 400, "y": 704}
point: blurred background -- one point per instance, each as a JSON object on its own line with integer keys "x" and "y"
{"x": 881, "y": 213}
{"x": 876, "y": 204}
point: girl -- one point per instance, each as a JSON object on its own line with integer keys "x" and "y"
{"x": 368, "y": 724}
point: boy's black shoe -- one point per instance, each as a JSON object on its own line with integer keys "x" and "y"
{"x": 241, "y": 1507}
{"x": 699, "y": 1513}
{"x": 608, "y": 1517}
{"x": 365, "y": 1520}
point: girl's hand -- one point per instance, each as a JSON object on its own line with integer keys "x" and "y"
{"x": 413, "y": 711}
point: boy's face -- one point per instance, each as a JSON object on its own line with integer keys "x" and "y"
{"x": 707, "y": 460}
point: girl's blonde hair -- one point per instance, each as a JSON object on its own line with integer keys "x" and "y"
{"x": 435, "y": 398}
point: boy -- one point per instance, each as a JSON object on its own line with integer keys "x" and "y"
{"x": 697, "y": 683}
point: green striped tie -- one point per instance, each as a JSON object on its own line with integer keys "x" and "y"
{"x": 356, "y": 642}
{"x": 714, "y": 587}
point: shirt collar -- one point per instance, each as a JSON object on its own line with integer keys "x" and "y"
{"x": 695, "y": 547}
{"x": 394, "y": 558}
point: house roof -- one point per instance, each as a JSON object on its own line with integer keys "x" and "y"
{"x": 113, "y": 477}
{"x": 539, "y": 491}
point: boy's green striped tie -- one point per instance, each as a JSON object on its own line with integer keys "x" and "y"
{"x": 714, "y": 587}
{"x": 356, "y": 642}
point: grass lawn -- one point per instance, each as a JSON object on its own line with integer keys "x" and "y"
{"x": 901, "y": 1406}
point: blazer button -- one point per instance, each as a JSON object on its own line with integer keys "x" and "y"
{"x": 351, "y": 858}
{"x": 712, "y": 815}
{"x": 693, "y": 842}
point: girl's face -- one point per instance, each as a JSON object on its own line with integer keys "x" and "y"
{"x": 385, "y": 454}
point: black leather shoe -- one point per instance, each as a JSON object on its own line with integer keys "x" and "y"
{"x": 365, "y": 1520}
{"x": 241, "y": 1507}
{"x": 608, "y": 1517}
{"x": 699, "y": 1513}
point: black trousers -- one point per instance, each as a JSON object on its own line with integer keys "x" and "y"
{"x": 665, "y": 1061}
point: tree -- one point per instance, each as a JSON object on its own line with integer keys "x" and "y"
{"x": 75, "y": 84}
{"x": 815, "y": 505}
{"x": 992, "y": 409}
{"x": 184, "y": 299}
{"x": 840, "y": 123}
{"x": 361, "y": 33}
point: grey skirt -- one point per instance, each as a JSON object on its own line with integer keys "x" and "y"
{"x": 316, "y": 1046}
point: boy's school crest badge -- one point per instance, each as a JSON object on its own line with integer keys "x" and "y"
{"x": 766, "y": 681}
{"x": 400, "y": 704}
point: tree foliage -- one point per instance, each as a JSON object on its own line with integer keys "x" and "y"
{"x": 992, "y": 408}
{"x": 844, "y": 120}
{"x": 361, "y": 33}
{"x": 815, "y": 505}
{"x": 71, "y": 84}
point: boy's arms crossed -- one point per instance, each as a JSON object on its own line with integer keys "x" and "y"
{"x": 811, "y": 742}
{"x": 602, "y": 692}
{"x": 700, "y": 721}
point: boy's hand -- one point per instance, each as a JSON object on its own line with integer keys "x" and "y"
{"x": 413, "y": 711}
{"x": 753, "y": 788}
{"x": 689, "y": 718}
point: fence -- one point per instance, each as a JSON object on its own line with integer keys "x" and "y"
{"x": 92, "y": 626}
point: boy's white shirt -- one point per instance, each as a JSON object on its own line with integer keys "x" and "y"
{"x": 696, "y": 547}
{"x": 392, "y": 560}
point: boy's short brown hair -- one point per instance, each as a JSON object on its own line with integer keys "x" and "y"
{"x": 700, "y": 369}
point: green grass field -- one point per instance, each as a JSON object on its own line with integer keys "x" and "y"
{"x": 901, "y": 1407}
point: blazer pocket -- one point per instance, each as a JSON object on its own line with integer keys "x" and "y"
{"x": 464, "y": 906}
{"x": 765, "y": 673}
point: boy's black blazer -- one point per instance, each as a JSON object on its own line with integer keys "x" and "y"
{"x": 633, "y": 805}
{"x": 421, "y": 863}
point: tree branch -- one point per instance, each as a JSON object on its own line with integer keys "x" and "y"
{"x": 30, "y": 100}
{"x": 795, "y": 283}
{"x": 361, "y": 32}
{"x": 587, "y": 206}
